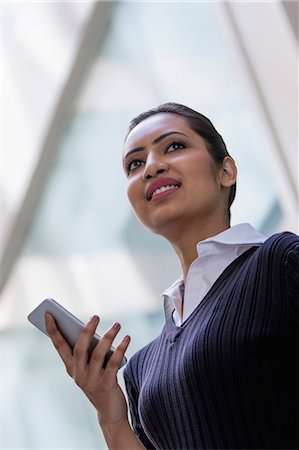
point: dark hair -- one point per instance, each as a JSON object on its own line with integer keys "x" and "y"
{"x": 201, "y": 125}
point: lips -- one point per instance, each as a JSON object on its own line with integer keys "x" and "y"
{"x": 157, "y": 184}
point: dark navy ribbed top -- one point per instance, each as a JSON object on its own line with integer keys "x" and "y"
{"x": 226, "y": 378}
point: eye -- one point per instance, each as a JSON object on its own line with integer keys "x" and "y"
{"x": 176, "y": 145}
{"x": 133, "y": 165}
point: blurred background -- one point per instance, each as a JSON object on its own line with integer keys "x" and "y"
{"x": 73, "y": 74}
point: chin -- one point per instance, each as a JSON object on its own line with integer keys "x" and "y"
{"x": 163, "y": 221}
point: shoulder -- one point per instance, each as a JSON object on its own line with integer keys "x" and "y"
{"x": 276, "y": 260}
{"x": 280, "y": 245}
{"x": 284, "y": 238}
{"x": 280, "y": 261}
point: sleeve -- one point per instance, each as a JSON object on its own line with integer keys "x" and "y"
{"x": 132, "y": 393}
{"x": 292, "y": 278}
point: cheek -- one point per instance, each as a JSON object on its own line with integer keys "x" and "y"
{"x": 129, "y": 193}
{"x": 132, "y": 193}
{"x": 202, "y": 183}
{"x": 201, "y": 174}
{"x": 205, "y": 172}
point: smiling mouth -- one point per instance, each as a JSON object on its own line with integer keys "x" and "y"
{"x": 164, "y": 191}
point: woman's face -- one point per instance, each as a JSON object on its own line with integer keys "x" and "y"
{"x": 172, "y": 178}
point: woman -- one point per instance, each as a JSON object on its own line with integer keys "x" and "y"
{"x": 222, "y": 372}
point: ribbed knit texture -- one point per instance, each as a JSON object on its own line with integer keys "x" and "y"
{"x": 226, "y": 379}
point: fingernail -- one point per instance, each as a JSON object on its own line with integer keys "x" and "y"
{"x": 116, "y": 325}
{"x": 47, "y": 316}
{"x": 126, "y": 338}
{"x": 92, "y": 318}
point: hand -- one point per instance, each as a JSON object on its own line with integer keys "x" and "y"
{"x": 99, "y": 385}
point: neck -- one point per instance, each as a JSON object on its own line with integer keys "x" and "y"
{"x": 184, "y": 241}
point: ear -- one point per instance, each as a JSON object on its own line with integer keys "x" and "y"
{"x": 228, "y": 172}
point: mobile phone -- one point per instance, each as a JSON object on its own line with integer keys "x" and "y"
{"x": 68, "y": 325}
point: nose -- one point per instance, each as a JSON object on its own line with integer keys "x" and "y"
{"x": 153, "y": 167}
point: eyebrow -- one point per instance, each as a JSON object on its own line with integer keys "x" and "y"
{"x": 155, "y": 142}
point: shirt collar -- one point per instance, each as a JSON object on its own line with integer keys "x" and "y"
{"x": 240, "y": 234}
{"x": 237, "y": 235}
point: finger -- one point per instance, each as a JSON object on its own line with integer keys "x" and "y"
{"x": 110, "y": 372}
{"x": 60, "y": 344}
{"x": 102, "y": 348}
{"x": 80, "y": 351}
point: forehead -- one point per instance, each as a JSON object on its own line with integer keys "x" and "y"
{"x": 154, "y": 126}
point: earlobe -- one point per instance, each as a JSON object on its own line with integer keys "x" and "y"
{"x": 229, "y": 172}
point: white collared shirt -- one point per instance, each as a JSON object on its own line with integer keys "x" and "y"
{"x": 215, "y": 254}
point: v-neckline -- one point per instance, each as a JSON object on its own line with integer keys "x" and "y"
{"x": 171, "y": 329}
